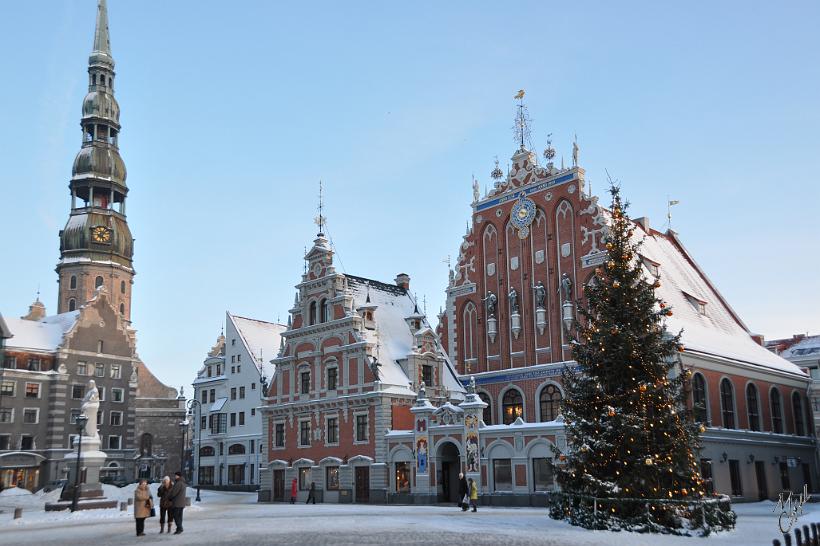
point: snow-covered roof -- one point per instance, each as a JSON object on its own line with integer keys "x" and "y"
{"x": 809, "y": 346}
{"x": 718, "y": 330}
{"x": 218, "y": 404}
{"x": 5, "y": 333}
{"x": 261, "y": 339}
{"x": 393, "y": 337}
{"x": 43, "y": 335}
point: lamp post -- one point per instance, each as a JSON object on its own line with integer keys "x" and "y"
{"x": 183, "y": 428}
{"x": 195, "y": 450}
{"x": 80, "y": 422}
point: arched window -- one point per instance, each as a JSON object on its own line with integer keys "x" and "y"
{"x": 727, "y": 403}
{"x": 146, "y": 445}
{"x": 72, "y": 284}
{"x": 752, "y": 407}
{"x": 550, "y": 402}
{"x": 488, "y": 411}
{"x": 797, "y": 409}
{"x": 699, "y": 398}
{"x": 323, "y": 311}
{"x": 512, "y": 406}
{"x": 98, "y": 282}
{"x": 110, "y": 81}
{"x": 236, "y": 449}
{"x": 93, "y": 79}
{"x": 122, "y": 309}
{"x": 312, "y": 312}
{"x": 122, "y": 287}
{"x": 72, "y": 305}
{"x": 469, "y": 331}
{"x": 207, "y": 451}
{"x": 776, "y": 403}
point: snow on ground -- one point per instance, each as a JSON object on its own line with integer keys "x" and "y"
{"x": 236, "y": 519}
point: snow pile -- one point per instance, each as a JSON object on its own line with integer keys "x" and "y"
{"x": 15, "y": 492}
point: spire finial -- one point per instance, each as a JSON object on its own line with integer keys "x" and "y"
{"x": 102, "y": 42}
{"x": 320, "y": 219}
{"x": 522, "y": 121}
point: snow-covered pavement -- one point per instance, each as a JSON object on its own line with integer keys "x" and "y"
{"x": 235, "y": 518}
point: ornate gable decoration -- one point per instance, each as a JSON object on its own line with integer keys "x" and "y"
{"x": 448, "y": 414}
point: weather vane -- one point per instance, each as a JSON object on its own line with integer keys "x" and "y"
{"x": 522, "y": 120}
{"x": 320, "y": 219}
{"x": 549, "y": 151}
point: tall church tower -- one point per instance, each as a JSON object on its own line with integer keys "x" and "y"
{"x": 96, "y": 247}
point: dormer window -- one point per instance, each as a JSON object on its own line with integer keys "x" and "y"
{"x": 697, "y": 304}
{"x": 651, "y": 266}
{"x": 427, "y": 375}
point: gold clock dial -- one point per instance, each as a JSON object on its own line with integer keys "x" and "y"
{"x": 101, "y": 234}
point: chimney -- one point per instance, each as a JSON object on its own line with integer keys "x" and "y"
{"x": 403, "y": 280}
{"x": 759, "y": 339}
{"x": 643, "y": 221}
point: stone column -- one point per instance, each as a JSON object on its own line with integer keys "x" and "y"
{"x": 423, "y": 492}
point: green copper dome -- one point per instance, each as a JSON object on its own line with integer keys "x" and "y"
{"x": 97, "y": 104}
{"x": 102, "y": 162}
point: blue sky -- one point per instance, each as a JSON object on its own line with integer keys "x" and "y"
{"x": 232, "y": 112}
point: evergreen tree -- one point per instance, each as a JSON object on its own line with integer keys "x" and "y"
{"x": 632, "y": 439}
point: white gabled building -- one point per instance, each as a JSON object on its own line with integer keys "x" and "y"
{"x": 227, "y": 440}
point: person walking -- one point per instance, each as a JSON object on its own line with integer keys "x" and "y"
{"x": 178, "y": 496}
{"x": 143, "y": 503}
{"x": 312, "y": 493}
{"x": 293, "y": 491}
{"x": 463, "y": 490}
{"x": 166, "y": 506}
{"x": 473, "y": 494}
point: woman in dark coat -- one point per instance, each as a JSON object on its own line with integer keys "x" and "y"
{"x": 463, "y": 492}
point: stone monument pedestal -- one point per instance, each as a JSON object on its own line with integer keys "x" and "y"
{"x": 90, "y": 494}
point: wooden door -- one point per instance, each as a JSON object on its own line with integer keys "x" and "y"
{"x": 279, "y": 485}
{"x": 362, "y": 479}
{"x": 762, "y": 486}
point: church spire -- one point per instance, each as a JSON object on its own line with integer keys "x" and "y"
{"x": 101, "y": 52}
{"x": 96, "y": 246}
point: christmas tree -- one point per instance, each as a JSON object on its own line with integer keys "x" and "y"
{"x": 632, "y": 458}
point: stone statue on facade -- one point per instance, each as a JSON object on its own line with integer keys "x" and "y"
{"x": 575, "y": 152}
{"x": 476, "y": 192}
{"x": 90, "y": 405}
{"x": 540, "y": 295}
{"x": 513, "y": 297}
{"x": 491, "y": 301}
{"x": 566, "y": 287}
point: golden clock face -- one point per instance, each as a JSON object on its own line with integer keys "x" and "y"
{"x": 101, "y": 234}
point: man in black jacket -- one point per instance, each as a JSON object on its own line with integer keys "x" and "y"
{"x": 178, "y": 497}
{"x": 463, "y": 492}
